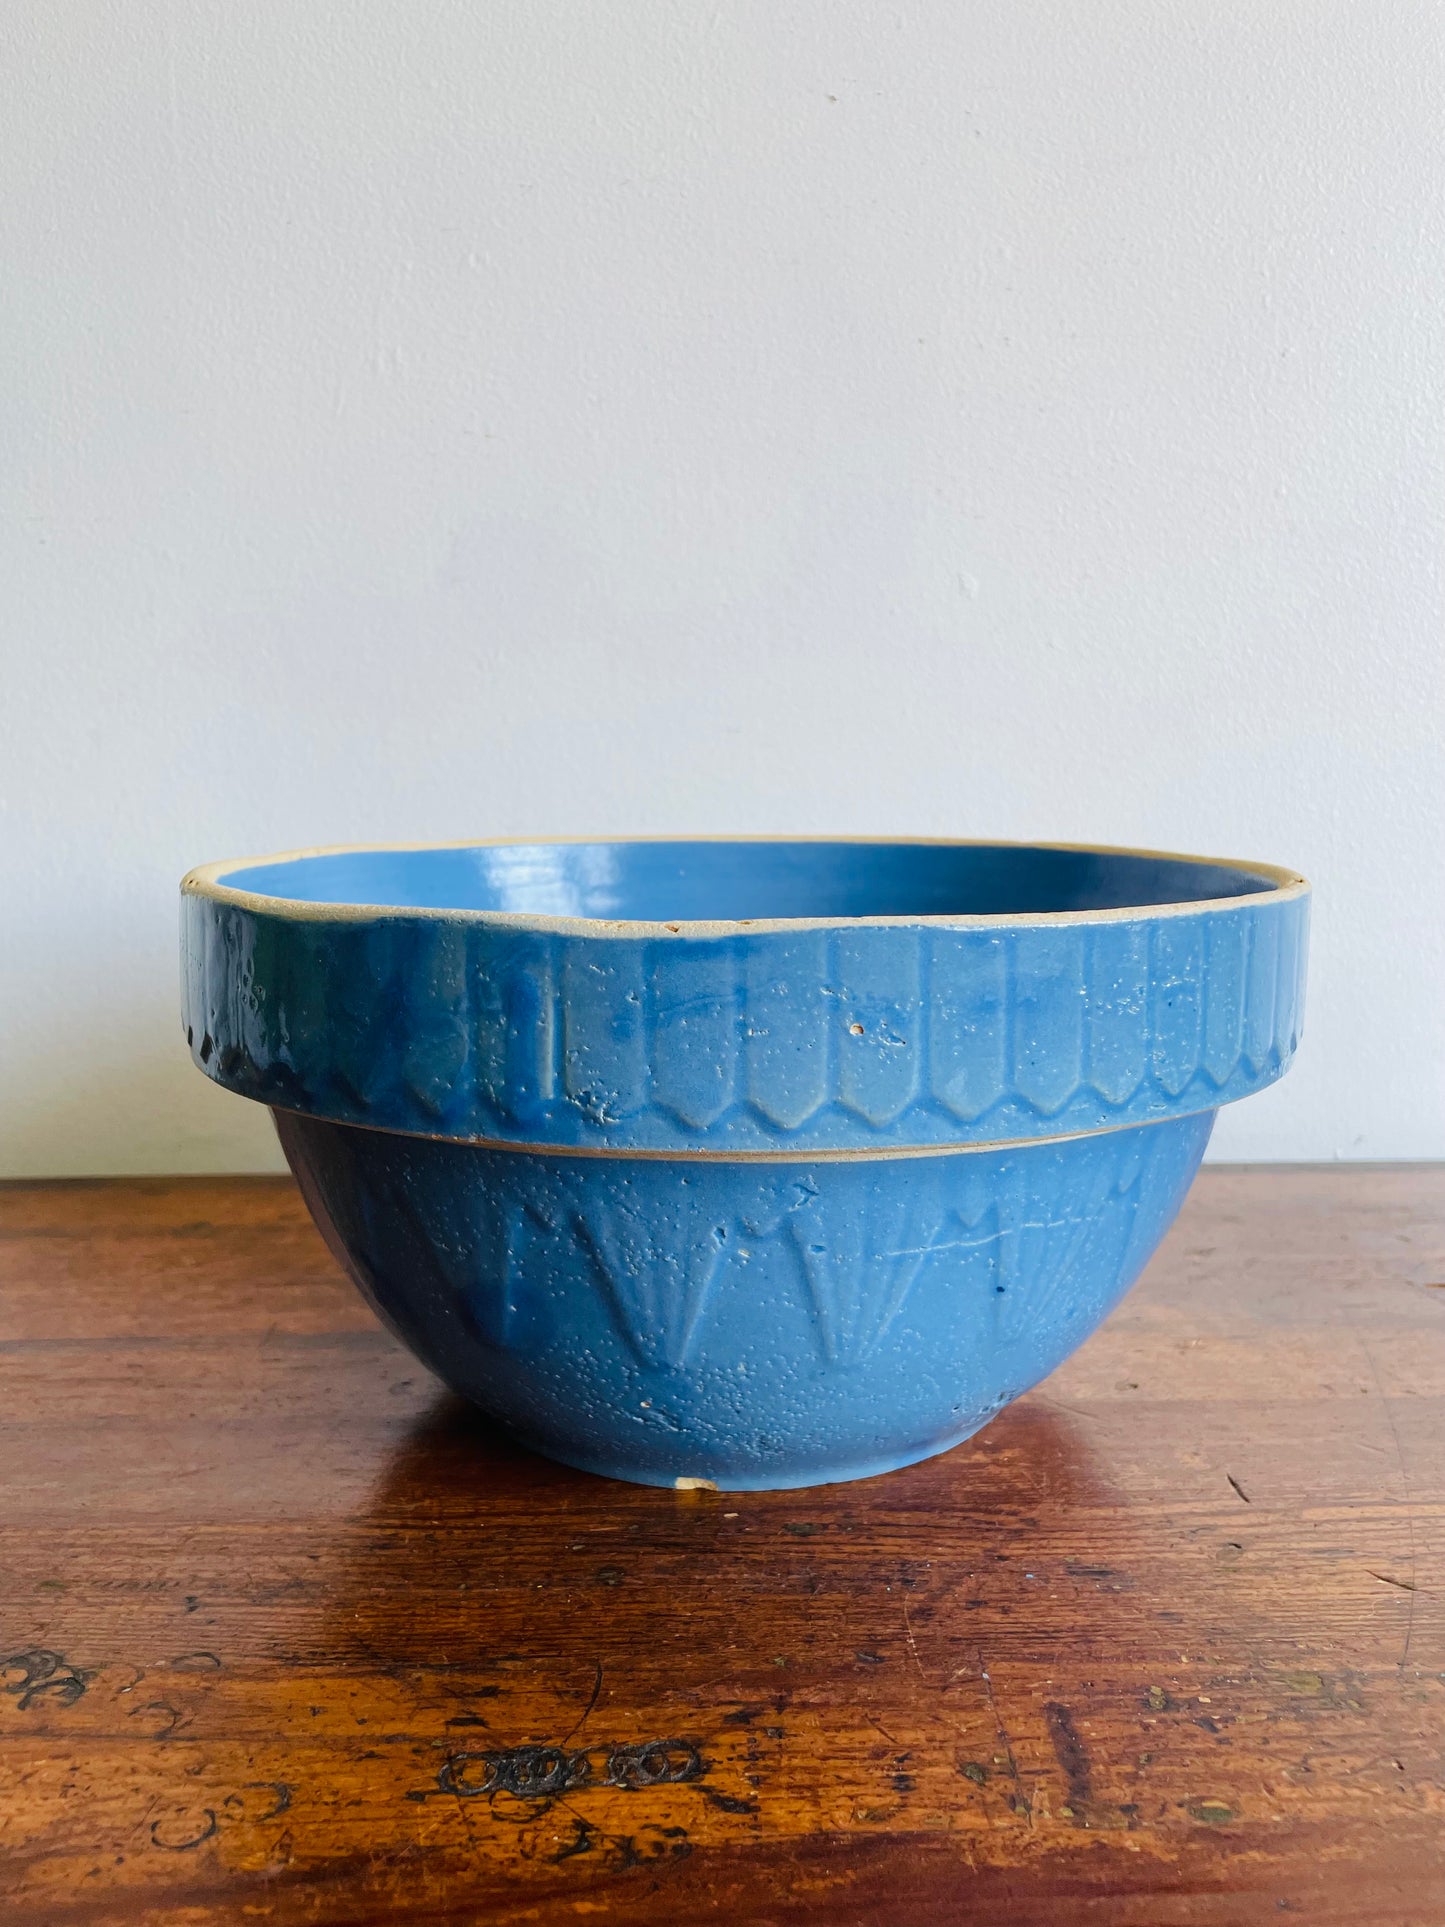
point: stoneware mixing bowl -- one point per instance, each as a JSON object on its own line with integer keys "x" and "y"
{"x": 749, "y": 1163}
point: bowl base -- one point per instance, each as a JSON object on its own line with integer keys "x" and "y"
{"x": 773, "y": 1481}
{"x": 756, "y": 1326}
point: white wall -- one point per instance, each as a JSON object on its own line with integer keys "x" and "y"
{"x": 490, "y": 416}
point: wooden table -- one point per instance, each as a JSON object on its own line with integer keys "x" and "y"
{"x": 291, "y": 1636}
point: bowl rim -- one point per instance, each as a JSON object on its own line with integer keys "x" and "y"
{"x": 208, "y": 881}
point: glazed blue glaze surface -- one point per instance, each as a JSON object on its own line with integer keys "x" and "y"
{"x": 942, "y": 994}
{"x": 756, "y": 1324}
{"x": 710, "y": 882}
{"x": 761, "y": 1163}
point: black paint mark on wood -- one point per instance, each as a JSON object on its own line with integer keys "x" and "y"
{"x": 725, "y": 1803}
{"x": 620, "y": 1852}
{"x": 188, "y": 1840}
{"x": 544, "y": 1772}
{"x": 1073, "y": 1759}
{"x": 657, "y": 1763}
{"x": 169, "y": 1716}
{"x": 281, "y": 1793}
{"x": 44, "y": 1675}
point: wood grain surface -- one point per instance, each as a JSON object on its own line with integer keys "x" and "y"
{"x": 290, "y": 1635}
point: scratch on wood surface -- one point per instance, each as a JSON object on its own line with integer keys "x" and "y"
{"x": 587, "y": 1709}
{"x": 1013, "y": 1766}
{"x": 912, "y": 1642}
{"x": 1409, "y": 1501}
{"x": 1089, "y": 1418}
{"x": 879, "y": 1727}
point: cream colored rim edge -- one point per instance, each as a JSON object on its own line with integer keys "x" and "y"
{"x": 208, "y": 881}
{"x": 836, "y": 1154}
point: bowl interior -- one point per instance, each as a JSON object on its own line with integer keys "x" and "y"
{"x": 747, "y": 881}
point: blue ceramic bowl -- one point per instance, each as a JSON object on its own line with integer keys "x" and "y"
{"x": 753, "y": 1164}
